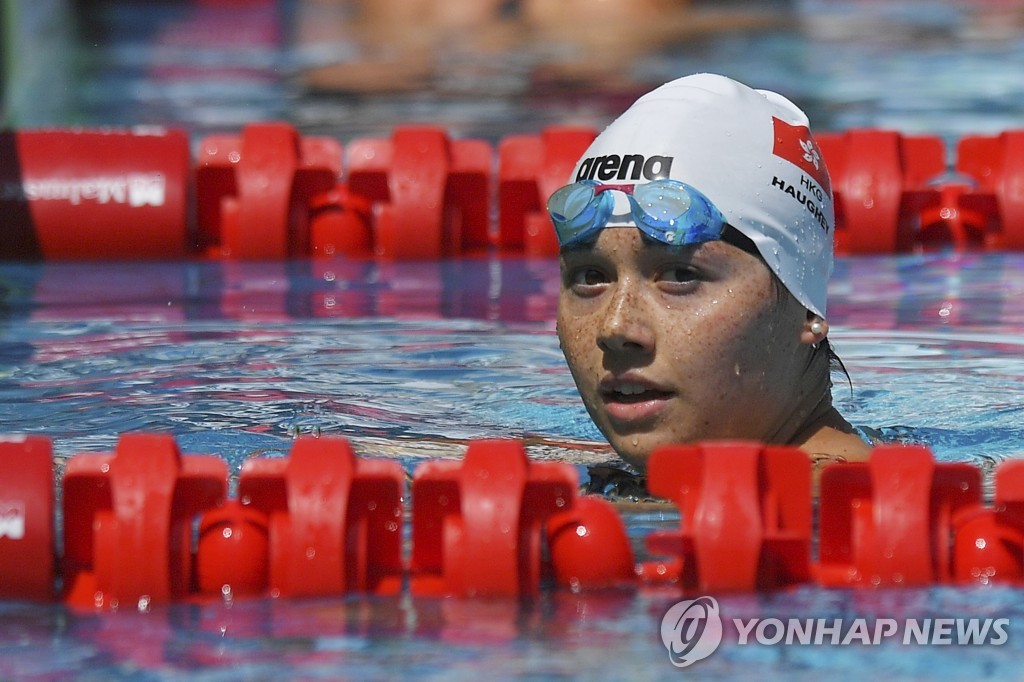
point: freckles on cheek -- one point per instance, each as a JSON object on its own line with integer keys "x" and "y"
{"x": 577, "y": 356}
{"x": 569, "y": 340}
{"x": 721, "y": 357}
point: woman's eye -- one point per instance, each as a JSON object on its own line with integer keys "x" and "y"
{"x": 679, "y": 275}
{"x": 587, "y": 277}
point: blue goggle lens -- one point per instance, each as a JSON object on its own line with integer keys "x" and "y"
{"x": 668, "y": 211}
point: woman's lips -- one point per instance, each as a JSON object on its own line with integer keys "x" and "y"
{"x": 632, "y": 400}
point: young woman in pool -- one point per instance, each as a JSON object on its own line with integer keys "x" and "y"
{"x": 704, "y": 318}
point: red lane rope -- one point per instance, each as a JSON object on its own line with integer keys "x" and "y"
{"x": 270, "y": 192}
{"x": 325, "y": 522}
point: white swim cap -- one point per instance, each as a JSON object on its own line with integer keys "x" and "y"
{"x": 750, "y": 151}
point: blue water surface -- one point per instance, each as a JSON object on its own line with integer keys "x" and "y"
{"x": 412, "y": 361}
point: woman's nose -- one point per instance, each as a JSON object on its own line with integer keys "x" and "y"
{"x": 625, "y": 324}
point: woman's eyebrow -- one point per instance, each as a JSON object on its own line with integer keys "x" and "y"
{"x": 578, "y": 247}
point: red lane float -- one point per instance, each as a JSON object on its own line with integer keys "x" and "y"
{"x": 989, "y": 542}
{"x": 880, "y": 182}
{"x": 890, "y": 521}
{"x": 996, "y": 163}
{"x": 256, "y": 192}
{"x": 128, "y": 521}
{"x": 478, "y": 524}
{"x": 431, "y": 194}
{"x": 27, "y": 568}
{"x": 269, "y": 192}
{"x": 324, "y": 522}
{"x": 590, "y": 528}
{"x": 341, "y": 224}
{"x": 91, "y": 194}
{"x": 954, "y": 219}
{"x": 531, "y": 168}
{"x": 233, "y": 552}
{"x": 334, "y": 521}
{"x": 746, "y": 516}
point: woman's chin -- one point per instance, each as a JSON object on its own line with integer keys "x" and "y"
{"x": 634, "y": 449}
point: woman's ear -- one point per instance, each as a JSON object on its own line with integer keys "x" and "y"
{"x": 815, "y": 329}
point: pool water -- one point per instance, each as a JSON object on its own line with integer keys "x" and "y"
{"x": 411, "y": 361}
{"x": 422, "y": 356}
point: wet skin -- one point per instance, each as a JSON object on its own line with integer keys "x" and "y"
{"x": 684, "y": 344}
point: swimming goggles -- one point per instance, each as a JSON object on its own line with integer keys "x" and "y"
{"x": 666, "y": 210}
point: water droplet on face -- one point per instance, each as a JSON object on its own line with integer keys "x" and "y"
{"x": 636, "y": 441}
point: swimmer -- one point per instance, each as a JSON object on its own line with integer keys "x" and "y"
{"x": 702, "y": 315}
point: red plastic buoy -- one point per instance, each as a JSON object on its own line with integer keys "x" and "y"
{"x": 589, "y": 547}
{"x": 232, "y": 556}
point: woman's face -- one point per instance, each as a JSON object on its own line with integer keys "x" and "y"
{"x": 680, "y": 344}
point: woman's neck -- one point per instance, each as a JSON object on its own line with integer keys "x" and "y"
{"x": 814, "y": 424}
